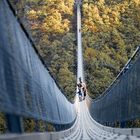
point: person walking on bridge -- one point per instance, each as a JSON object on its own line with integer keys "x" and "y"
{"x": 82, "y": 90}
{"x": 79, "y": 85}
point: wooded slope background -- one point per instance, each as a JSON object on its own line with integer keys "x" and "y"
{"x": 110, "y": 33}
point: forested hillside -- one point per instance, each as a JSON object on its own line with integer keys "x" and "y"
{"x": 110, "y": 31}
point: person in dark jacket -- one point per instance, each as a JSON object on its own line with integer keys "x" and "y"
{"x": 79, "y": 85}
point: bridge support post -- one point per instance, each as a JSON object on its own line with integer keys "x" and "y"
{"x": 14, "y": 123}
{"x": 122, "y": 124}
{"x": 36, "y": 125}
{"x": 57, "y": 127}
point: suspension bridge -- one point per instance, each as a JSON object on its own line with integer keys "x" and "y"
{"x": 28, "y": 90}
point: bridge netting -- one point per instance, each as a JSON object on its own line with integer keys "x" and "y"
{"x": 121, "y": 101}
{"x": 27, "y": 88}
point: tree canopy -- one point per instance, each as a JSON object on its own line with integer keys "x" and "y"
{"x": 110, "y": 32}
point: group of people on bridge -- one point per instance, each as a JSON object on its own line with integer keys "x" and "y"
{"x": 82, "y": 90}
{"x": 78, "y": 1}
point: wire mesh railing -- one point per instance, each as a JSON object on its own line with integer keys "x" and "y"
{"x": 121, "y": 101}
{"x": 27, "y": 89}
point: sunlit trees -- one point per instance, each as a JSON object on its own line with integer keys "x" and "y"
{"x": 111, "y": 31}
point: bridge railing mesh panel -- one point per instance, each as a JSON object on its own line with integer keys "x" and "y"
{"x": 121, "y": 101}
{"x": 26, "y": 87}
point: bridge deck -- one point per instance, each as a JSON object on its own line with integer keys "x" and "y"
{"x": 88, "y": 130}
